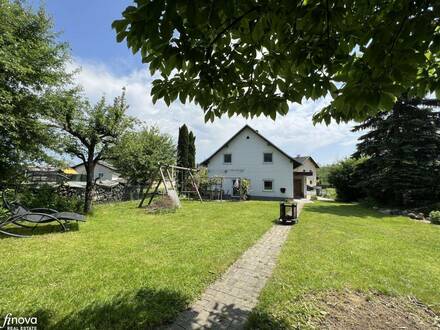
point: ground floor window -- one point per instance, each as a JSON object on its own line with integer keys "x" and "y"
{"x": 268, "y": 185}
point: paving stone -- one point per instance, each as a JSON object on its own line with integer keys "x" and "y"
{"x": 227, "y": 303}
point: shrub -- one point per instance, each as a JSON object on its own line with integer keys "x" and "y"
{"x": 329, "y": 193}
{"x": 435, "y": 217}
{"x": 244, "y": 188}
{"x": 47, "y": 196}
{"x": 345, "y": 178}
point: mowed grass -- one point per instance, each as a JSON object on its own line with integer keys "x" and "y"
{"x": 337, "y": 246}
{"x": 125, "y": 269}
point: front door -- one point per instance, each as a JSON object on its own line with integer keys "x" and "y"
{"x": 236, "y": 187}
{"x": 298, "y": 188}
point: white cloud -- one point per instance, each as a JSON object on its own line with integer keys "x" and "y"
{"x": 294, "y": 133}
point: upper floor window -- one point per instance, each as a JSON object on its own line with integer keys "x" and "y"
{"x": 227, "y": 158}
{"x": 267, "y": 157}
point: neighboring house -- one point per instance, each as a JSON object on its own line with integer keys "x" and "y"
{"x": 46, "y": 175}
{"x": 273, "y": 174}
{"x": 103, "y": 171}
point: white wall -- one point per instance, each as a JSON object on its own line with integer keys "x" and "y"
{"x": 108, "y": 174}
{"x": 307, "y": 166}
{"x": 247, "y": 162}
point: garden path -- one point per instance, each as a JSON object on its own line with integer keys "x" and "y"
{"x": 227, "y": 303}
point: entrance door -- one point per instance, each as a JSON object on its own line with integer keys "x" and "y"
{"x": 298, "y": 188}
{"x": 236, "y": 187}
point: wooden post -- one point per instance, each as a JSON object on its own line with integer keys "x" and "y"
{"x": 148, "y": 189}
{"x": 163, "y": 179}
{"x": 195, "y": 186}
{"x": 154, "y": 192}
{"x": 170, "y": 178}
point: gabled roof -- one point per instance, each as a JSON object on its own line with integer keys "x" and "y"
{"x": 302, "y": 159}
{"x": 100, "y": 162}
{"x": 295, "y": 162}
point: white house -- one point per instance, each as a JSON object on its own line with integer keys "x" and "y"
{"x": 273, "y": 174}
{"x": 103, "y": 171}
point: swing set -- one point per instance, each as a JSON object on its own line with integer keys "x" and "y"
{"x": 166, "y": 175}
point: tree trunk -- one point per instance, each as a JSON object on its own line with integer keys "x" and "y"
{"x": 90, "y": 186}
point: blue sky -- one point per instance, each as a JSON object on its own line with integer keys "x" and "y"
{"x": 86, "y": 26}
{"x": 107, "y": 67}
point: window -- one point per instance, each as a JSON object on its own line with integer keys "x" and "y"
{"x": 267, "y": 185}
{"x": 267, "y": 156}
{"x": 227, "y": 158}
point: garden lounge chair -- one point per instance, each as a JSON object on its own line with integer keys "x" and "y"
{"x": 30, "y": 218}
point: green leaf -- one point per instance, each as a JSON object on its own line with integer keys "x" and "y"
{"x": 224, "y": 47}
{"x": 258, "y": 30}
{"x": 273, "y": 115}
{"x": 121, "y": 36}
{"x": 120, "y": 24}
{"x": 387, "y": 101}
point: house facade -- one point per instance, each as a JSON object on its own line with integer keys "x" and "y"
{"x": 273, "y": 174}
{"x": 103, "y": 171}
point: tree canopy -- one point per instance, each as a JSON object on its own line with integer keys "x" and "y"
{"x": 88, "y": 132}
{"x": 344, "y": 177}
{"x": 137, "y": 154}
{"x": 252, "y": 57}
{"x": 31, "y": 63}
{"x": 323, "y": 173}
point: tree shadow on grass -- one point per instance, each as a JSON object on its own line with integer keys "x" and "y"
{"x": 42, "y": 229}
{"x": 263, "y": 321}
{"x": 144, "y": 309}
{"x": 344, "y": 210}
{"x": 153, "y": 309}
{"x": 225, "y": 316}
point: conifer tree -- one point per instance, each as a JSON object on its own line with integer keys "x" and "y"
{"x": 402, "y": 150}
{"x": 182, "y": 154}
{"x": 192, "y": 150}
{"x": 183, "y": 146}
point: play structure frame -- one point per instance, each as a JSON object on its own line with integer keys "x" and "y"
{"x": 164, "y": 175}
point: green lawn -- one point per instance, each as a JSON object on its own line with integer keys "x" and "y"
{"x": 338, "y": 246}
{"x": 125, "y": 268}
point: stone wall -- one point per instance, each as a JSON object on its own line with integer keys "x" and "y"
{"x": 103, "y": 193}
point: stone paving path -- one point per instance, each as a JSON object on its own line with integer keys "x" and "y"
{"x": 227, "y": 303}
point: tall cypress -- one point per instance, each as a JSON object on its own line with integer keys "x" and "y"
{"x": 182, "y": 155}
{"x": 192, "y": 150}
{"x": 183, "y": 146}
{"x": 402, "y": 150}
